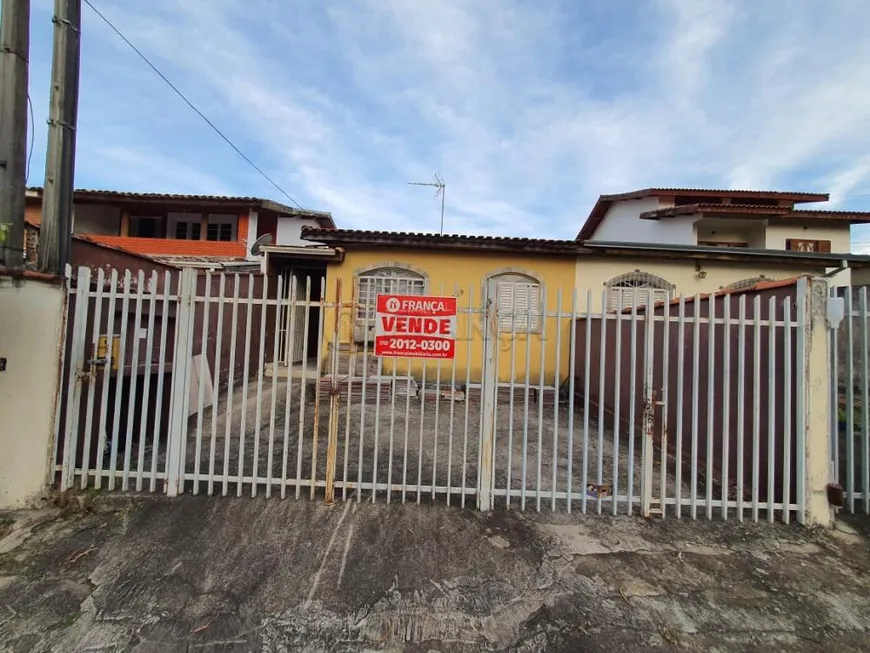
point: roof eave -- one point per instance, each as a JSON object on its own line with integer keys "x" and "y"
{"x": 452, "y": 243}
{"x": 726, "y": 254}
{"x": 324, "y": 218}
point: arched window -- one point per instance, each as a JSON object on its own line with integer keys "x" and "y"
{"x": 392, "y": 279}
{"x": 636, "y": 289}
{"x": 518, "y": 301}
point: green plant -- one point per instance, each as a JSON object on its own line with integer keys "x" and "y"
{"x": 857, "y": 415}
{"x": 4, "y": 231}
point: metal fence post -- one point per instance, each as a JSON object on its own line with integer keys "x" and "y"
{"x": 334, "y": 398}
{"x": 181, "y": 363}
{"x": 813, "y": 419}
{"x": 488, "y": 397}
{"x": 649, "y": 397}
{"x": 77, "y": 374}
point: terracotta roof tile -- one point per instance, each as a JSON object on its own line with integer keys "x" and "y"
{"x": 455, "y": 241}
{"x": 776, "y": 212}
{"x": 689, "y": 209}
{"x": 761, "y": 285}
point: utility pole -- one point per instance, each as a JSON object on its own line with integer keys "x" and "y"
{"x": 14, "y": 54}
{"x": 57, "y": 195}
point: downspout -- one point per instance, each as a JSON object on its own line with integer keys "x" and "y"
{"x": 844, "y": 265}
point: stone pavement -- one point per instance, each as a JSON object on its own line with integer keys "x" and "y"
{"x": 227, "y": 574}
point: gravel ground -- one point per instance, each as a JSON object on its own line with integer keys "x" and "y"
{"x": 149, "y": 575}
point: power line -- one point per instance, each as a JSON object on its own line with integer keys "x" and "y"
{"x": 189, "y": 103}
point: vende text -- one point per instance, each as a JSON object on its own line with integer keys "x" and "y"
{"x": 415, "y": 327}
{"x": 442, "y": 326}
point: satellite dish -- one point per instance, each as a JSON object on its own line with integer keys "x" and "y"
{"x": 265, "y": 239}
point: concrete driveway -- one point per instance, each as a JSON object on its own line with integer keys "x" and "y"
{"x": 226, "y": 574}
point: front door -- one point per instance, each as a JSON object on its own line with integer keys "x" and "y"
{"x": 293, "y": 333}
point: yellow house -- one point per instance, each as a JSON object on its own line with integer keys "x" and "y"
{"x": 531, "y": 289}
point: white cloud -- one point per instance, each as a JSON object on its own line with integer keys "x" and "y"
{"x": 140, "y": 170}
{"x": 528, "y": 110}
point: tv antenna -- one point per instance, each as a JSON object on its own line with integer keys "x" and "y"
{"x": 441, "y": 186}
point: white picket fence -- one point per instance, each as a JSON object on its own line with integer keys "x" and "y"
{"x": 197, "y": 383}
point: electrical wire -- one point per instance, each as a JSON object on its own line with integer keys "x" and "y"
{"x": 30, "y": 149}
{"x": 189, "y": 103}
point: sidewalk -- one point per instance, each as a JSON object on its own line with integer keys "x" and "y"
{"x": 227, "y": 574}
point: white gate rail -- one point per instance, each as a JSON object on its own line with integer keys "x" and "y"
{"x": 197, "y": 383}
{"x": 850, "y": 399}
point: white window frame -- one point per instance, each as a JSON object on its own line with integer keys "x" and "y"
{"x": 386, "y": 279}
{"x": 518, "y": 301}
{"x": 223, "y": 218}
{"x": 634, "y": 289}
{"x": 174, "y": 219}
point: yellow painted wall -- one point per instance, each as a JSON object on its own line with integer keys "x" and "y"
{"x": 463, "y": 275}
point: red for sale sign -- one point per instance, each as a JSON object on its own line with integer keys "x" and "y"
{"x": 411, "y": 326}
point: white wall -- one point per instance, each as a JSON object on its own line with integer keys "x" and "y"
{"x": 622, "y": 223}
{"x": 253, "y": 220}
{"x": 30, "y": 336}
{"x": 97, "y": 219}
{"x": 290, "y": 230}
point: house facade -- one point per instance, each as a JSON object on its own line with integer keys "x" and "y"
{"x": 538, "y": 286}
{"x": 721, "y": 218}
{"x": 183, "y": 230}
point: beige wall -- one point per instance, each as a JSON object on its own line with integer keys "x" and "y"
{"x": 592, "y": 274}
{"x": 751, "y": 232}
{"x": 30, "y": 335}
{"x": 839, "y": 234}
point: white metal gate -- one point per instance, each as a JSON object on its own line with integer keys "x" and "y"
{"x": 687, "y": 408}
{"x": 850, "y": 398}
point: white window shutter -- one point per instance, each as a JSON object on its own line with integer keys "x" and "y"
{"x": 518, "y": 300}
{"x": 636, "y": 289}
{"x": 505, "y": 297}
{"x": 533, "y": 307}
{"x": 521, "y": 306}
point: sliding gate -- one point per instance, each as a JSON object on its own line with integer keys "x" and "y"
{"x": 186, "y": 382}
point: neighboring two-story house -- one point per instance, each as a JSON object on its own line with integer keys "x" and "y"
{"x": 203, "y": 231}
{"x": 721, "y": 218}
{"x": 745, "y": 219}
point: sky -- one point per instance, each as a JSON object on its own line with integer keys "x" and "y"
{"x": 528, "y": 109}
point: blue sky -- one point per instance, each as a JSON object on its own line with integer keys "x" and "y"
{"x": 528, "y": 109}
